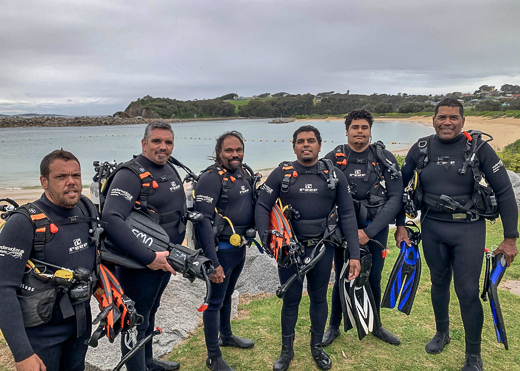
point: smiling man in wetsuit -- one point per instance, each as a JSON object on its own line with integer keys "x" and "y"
{"x": 309, "y": 192}
{"x": 454, "y": 237}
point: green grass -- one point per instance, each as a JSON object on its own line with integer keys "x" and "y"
{"x": 260, "y": 321}
{"x": 244, "y": 102}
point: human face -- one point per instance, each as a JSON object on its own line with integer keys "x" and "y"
{"x": 306, "y": 148}
{"x": 232, "y": 153}
{"x": 448, "y": 122}
{"x": 159, "y": 146}
{"x": 358, "y": 134}
{"x": 63, "y": 186}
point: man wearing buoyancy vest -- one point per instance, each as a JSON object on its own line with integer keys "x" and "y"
{"x": 165, "y": 199}
{"x": 453, "y": 236}
{"x": 313, "y": 198}
{"x": 377, "y": 195}
{"x": 45, "y": 327}
{"x": 224, "y": 195}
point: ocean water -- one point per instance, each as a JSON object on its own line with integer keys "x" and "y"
{"x": 21, "y": 149}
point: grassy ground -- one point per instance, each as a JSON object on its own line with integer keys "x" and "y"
{"x": 260, "y": 320}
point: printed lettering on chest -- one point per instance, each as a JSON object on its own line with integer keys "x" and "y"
{"x": 11, "y": 251}
{"x": 243, "y": 190}
{"x": 174, "y": 186}
{"x": 357, "y": 174}
{"x": 445, "y": 161}
{"x": 78, "y": 246}
{"x": 308, "y": 189}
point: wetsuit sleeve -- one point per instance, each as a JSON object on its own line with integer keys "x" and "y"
{"x": 16, "y": 242}
{"x": 388, "y": 212}
{"x": 496, "y": 175}
{"x": 123, "y": 193}
{"x": 269, "y": 192}
{"x": 407, "y": 170}
{"x": 207, "y": 193}
{"x": 347, "y": 215}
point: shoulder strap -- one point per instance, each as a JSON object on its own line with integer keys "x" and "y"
{"x": 341, "y": 157}
{"x": 227, "y": 180}
{"x": 424, "y": 152}
{"x": 326, "y": 170}
{"x": 390, "y": 166}
{"x": 288, "y": 172}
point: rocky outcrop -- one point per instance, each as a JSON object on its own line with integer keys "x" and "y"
{"x": 515, "y": 182}
{"x": 136, "y": 109}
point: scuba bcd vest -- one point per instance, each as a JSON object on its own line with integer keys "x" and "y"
{"x": 483, "y": 201}
{"x": 377, "y": 163}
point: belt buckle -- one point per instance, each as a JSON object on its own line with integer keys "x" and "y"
{"x": 458, "y": 216}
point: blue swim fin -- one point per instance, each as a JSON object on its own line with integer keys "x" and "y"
{"x": 406, "y": 274}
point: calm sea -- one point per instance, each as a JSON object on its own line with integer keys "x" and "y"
{"x": 21, "y": 149}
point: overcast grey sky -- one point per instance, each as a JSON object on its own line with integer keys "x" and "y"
{"x": 92, "y": 57}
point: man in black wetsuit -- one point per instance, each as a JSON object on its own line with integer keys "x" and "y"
{"x": 454, "y": 242}
{"x": 224, "y": 190}
{"x": 355, "y": 161}
{"x": 59, "y": 342}
{"x": 166, "y": 197}
{"x": 308, "y": 193}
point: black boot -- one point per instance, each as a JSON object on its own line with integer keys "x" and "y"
{"x": 330, "y": 335}
{"x": 437, "y": 343}
{"x": 218, "y": 364}
{"x": 473, "y": 362}
{"x": 321, "y": 358}
{"x": 387, "y": 336}
{"x": 282, "y": 363}
{"x": 158, "y": 365}
{"x": 237, "y": 342}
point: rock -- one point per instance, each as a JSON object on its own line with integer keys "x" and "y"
{"x": 260, "y": 274}
{"x": 515, "y": 182}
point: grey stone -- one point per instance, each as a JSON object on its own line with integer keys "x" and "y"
{"x": 515, "y": 182}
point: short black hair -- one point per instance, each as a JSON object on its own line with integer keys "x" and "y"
{"x": 359, "y": 114}
{"x": 156, "y": 125}
{"x": 449, "y": 102}
{"x": 220, "y": 141}
{"x": 58, "y": 154}
{"x": 303, "y": 128}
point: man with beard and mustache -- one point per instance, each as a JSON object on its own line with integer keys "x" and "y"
{"x": 55, "y": 229}
{"x": 224, "y": 190}
{"x": 305, "y": 186}
{"x": 355, "y": 160}
{"x": 454, "y": 239}
{"x": 165, "y": 198}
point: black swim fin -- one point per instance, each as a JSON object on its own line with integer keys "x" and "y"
{"x": 406, "y": 274}
{"x": 357, "y": 301}
{"x": 491, "y": 280}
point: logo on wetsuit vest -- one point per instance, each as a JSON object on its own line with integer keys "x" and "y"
{"x": 308, "y": 189}
{"x": 174, "y": 186}
{"x": 26, "y": 288}
{"x": 78, "y": 246}
{"x": 120, "y": 192}
{"x": 143, "y": 237}
{"x": 243, "y": 190}
{"x": 11, "y": 251}
{"x": 357, "y": 174}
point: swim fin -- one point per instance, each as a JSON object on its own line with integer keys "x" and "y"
{"x": 491, "y": 280}
{"x": 405, "y": 276}
{"x": 357, "y": 301}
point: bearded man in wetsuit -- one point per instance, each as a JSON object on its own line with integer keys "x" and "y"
{"x": 355, "y": 159}
{"x": 309, "y": 194}
{"x": 224, "y": 190}
{"x": 58, "y": 342}
{"x": 166, "y": 199}
{"x": 454, "y": 242}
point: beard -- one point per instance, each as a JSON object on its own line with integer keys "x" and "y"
{"x": 63, "y": 201}
{"x": 235, "y": 166}
{"x": 307, "y": 159}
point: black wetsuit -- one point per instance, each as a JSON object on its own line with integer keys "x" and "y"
{"x": 144, "y": 286}
{"x": 456, "y": 247}
{"x": 309, "y": 195}
{"x": 55, "y": 342}
{"x": 239, "y": 209}
{"x": 376, "y": 229}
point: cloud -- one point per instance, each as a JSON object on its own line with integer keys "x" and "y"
{"x": 97, "y": 56}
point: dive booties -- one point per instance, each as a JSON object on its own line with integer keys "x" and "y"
{"x": 237, "y": 342}
{"x": 158, "y": 365}
{"x": 283, "y": 362}
{"x": 473, "y": 362}
{"x": 387, "y": 336}
{"x": 218, "y": 364}
{"x": 330, "y": 335}
{"x": 321, "y": 358}
{"x": 437, "y": 343}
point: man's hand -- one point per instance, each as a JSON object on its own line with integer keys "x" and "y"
{"x": 354, "y": 269}
{"x": 509, "y": 249}
{"x": 363, "y": 238}
{"x": 219, "y": 275}
{"x": 160, "y": 263}
{"x": 33, "y": 363}
{"x": 401, "y": 235}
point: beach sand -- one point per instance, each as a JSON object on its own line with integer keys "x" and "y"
{"x": 505, "y": 130}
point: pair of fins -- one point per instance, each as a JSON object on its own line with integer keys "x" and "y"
{"x": 406, "y": 274}
{"x": 357, "y": 301}
{"x": 495, "y": 269}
